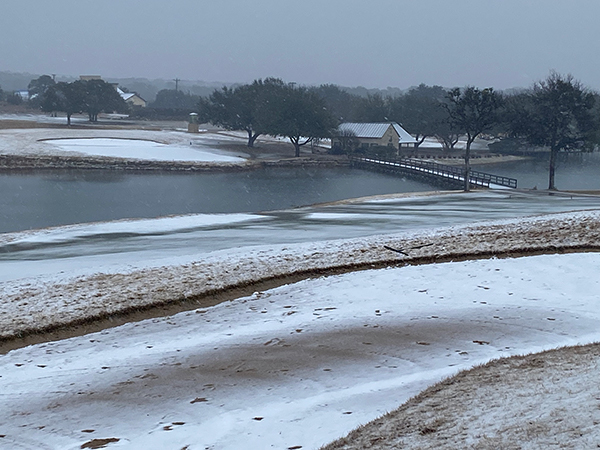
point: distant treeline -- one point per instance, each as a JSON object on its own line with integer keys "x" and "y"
{"x": 148, "y": 89}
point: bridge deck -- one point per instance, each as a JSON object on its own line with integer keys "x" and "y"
{"x": 450, "y": 174}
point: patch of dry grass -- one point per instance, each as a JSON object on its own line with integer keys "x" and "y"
{"x": 25, "y": 124}
{"x": 544, "y": 400}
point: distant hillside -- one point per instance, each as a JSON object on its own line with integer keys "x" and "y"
{"x": 10, "y": 81}
{"x": 147, "y": 89}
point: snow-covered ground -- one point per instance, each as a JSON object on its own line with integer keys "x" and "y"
{"x": 324, "y": 354}
{"x": 296, "y": 366}
{"x": 121, "y": 143}
{"x": 432, "y": 143}
{"x": 534, "y": 401}
{"x": 44, "y": 118}
{"x": 137, "y": 149}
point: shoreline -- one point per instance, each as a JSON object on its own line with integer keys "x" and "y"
{"x": 20, "y": 163}
{"x": 44, "y": 162}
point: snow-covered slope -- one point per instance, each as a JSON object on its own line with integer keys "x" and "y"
{"x": 296, "y": 366}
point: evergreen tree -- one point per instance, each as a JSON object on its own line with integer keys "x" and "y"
{"x": 472, "y": 111}
{"x": 100, "y": 96}
{"x": 295, "y": 112}
{"x": 557, "y": 113}
{"x": 421, "y": 113}
{"x": 235, "y": 109}
{"x": 38, "y": 87}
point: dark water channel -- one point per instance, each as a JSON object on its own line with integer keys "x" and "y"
{"x": 50, "y": 198}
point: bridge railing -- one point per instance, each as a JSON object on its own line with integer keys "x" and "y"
{"x": 495, "y": 179}
{"x": 477, "y": 178}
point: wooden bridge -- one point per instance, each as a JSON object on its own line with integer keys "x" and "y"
{"x": 441, "y": 174}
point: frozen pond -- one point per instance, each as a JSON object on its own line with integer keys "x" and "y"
{"x": 50, "y": 198}
{"x": 78, "y": 247}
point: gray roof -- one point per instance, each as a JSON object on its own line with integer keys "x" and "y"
{"x": 375, "y": 130}
{"x": 365, "y": 130}
{"x": 405, "y": 137}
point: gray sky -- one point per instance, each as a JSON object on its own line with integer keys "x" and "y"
{"x": 375, "y": 43}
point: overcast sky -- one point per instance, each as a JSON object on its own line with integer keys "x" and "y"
{"x": 375, "y": 43}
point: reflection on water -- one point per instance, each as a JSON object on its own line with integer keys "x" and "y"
{"x": 37, "y": 200}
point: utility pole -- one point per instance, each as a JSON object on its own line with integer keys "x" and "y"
{"x": 176, "y": 80}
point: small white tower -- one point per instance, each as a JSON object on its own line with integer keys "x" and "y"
{"x": 193, "y": 126}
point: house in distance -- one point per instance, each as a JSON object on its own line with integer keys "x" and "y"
{"x": 386, "y": 134}
{"x": 132, "y": 98}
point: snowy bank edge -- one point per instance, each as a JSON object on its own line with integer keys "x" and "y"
{"x": 423, "y": 420}
{"x": 31, "y": 311}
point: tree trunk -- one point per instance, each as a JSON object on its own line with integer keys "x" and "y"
{"x": 467, "y": 184}
{"x": 419, "y": 141}
{"x": 296, "y": 141}
{"x": 553, "y": 153}
{"x": 252, "y": 138}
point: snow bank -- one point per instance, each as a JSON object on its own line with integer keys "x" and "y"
{"x": 540, "y": 400}
{"x": 34, "y": 305}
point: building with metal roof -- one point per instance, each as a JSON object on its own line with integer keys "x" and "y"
{"x": 132, "y": 98}
{"x": 387, "y": 134}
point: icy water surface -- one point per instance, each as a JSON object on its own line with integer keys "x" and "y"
{"x": 50, "y": 198}
{"x": 129, "y": 241}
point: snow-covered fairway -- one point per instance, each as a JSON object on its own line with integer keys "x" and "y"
{"x": 297, "y": 366}
{"x": 125, "y": 143}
